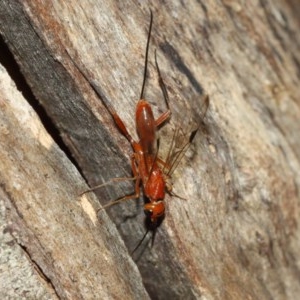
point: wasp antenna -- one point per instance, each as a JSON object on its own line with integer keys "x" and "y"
{"x": 140, "y": 242}
{"x": 146, "y": 55}
{"x": 153, "y": 237}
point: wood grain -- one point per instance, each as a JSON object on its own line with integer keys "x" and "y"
{"x": 237, "y": 235}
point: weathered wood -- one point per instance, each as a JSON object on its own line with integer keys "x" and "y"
{"x": 237, "y": 236}
{"x": 44, "y": 222}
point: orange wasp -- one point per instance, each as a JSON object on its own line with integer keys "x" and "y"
{"x": 148, "y": 169}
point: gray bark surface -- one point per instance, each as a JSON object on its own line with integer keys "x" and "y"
{"x": 237, "y": 234}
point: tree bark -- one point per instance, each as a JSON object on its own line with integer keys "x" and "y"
{"x": 237, "y": 235}
{"x": 52, "y": 244}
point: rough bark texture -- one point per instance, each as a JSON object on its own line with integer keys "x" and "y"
{"x": 52, "y": 244}
{"x": 237, "y": 235}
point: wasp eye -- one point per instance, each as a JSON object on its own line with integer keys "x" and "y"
{"x": 148, "y": 213}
